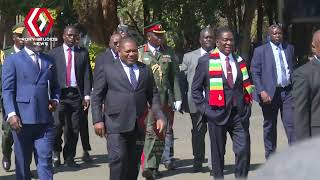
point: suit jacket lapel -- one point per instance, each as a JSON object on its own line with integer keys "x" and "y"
{"x": 197, "y": 53}
{"x": 273, "y": 60}
{"x": 62, "y": 62}
{"x": 142, "y": 72}
{"x": 43, "y": 65}
{"x": 239, "y": 77}
{"x": 123, "y": 74}
{"x": 288, "y": 57}
{"x": 29, "y": 61}
{"x": 76, "y": 61}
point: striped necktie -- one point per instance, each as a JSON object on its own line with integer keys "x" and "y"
{"x": 133, "y": 78}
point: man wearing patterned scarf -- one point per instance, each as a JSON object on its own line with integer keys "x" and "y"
{"x": 226, "y": 104}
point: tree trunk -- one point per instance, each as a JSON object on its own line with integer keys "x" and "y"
{"x": 99, "y": 18}
{"x": 245, "y": 29}
{"x": 6, "y": 24}
{"x": 259, "y": 20}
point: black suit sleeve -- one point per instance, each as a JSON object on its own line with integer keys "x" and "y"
{"x": 302, "y": 104}
{"x": 54, "y": 85}
{"x": 100, "y": 88}
{"x": 153, "y": 96}
{"x": 87, "y": 74}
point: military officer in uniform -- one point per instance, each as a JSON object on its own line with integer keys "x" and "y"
{"x": 163, "y": 63}
{"x": 7, "y": 139}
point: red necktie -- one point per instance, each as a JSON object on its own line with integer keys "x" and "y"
{"x": 229, "y": 73}
{"x": 69, "y": 66}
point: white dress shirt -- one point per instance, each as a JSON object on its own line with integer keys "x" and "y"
{"x": 73, "y": 80}
{"x": 33, "y": 56}
{"x": 153, "y": 49}
{"x": 224, "y": 65}
{"x": 203, "y": 52}
{"x": 127, "y": 70}
{"x": 16, "y": 49}
{"x": 275, "y": 50}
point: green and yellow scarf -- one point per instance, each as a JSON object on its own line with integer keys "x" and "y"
{"x": 216, "y": 93}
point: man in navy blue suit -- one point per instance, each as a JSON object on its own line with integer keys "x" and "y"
{"x": 271, "y": 68}
{"x": 30, "y": 94}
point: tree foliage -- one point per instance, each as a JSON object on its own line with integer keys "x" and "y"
{"x": 183, "y": 19}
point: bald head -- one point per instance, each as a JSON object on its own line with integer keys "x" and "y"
{"x": 316, "y": 43}
{"x": 207, "y": 39}
{"x": 114, "y": 42}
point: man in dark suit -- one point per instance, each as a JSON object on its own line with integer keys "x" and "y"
{"x": 127, "y": 88}
{"x": 30, "y": 94}
{"x": 83, "y": 124}
{"x": 306, "y": 94}
{"x": 199, "y": 122}
{"x": 224, "y": 78}
{"x": 271, "y": 68}
{"x": 74, "y": 76}
{"x": 110, "y": 53}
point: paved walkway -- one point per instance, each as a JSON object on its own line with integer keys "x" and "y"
{"x": 98, "y": 169}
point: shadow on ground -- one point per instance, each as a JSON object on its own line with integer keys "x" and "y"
{"x": 185, "y": 166}
{"x": 98, "y": 160}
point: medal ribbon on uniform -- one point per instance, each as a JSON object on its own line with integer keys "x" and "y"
{"x": 216, "y": 91}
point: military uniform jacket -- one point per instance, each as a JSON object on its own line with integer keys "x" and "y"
{"x": 3, "y": 54}
{"x": 164, "y": 68}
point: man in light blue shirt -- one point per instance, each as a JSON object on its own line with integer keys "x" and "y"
{"x": 271, "y": 68}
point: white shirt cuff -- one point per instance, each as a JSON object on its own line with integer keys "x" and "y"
{"x": 10, "y": 115}
{"x": 87, "y": 97}
{"x": 56, "y": 100}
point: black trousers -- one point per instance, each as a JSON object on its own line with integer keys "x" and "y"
{"x": 124, "y": 153}
{"x": 84, "y": 132}
{"x": 198, "y": 131}
{"x": 67, "y": 122}
{"x": 239, "y": 132}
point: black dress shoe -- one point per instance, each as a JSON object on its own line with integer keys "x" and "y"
{"x": 157, "y": 174}
{"x": 148, "y": 174}
{"x": 56, "y": 159}
{"x": 197, "y": 168}
{"x": 71, "y": 164}
{"x": 86, "y": 157}
{"x": 170, "y": 166}
{"x": 6, "y": 163}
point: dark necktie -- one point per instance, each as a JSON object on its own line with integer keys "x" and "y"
{"x": 133, "y": 78}
{"x": 69, "y": 66}
{"x": 36, "y": 61}
{"x": 156, "y": 52}
{"x": 229, "y": 73}
{"x": 284, "y": 81}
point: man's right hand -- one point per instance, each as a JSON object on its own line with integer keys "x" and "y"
{"x": 15, "y": 123}
{"x": 266, "y": 99}
{"x": 99, "y": 129}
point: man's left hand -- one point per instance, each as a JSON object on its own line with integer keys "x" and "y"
{"x": 85, "y": 104}
{"x": 52, "y": 105}
{"x": 161, "y": 125}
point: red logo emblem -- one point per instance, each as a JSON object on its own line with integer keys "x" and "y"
{"x": 31, "y": 22}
